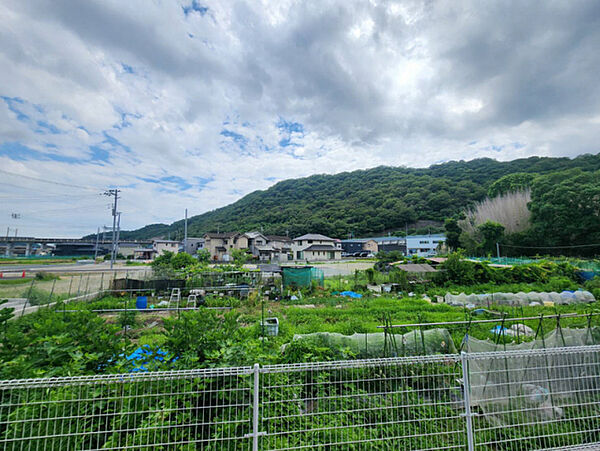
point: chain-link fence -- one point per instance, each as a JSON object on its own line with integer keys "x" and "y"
{"x": 514, "y": 400}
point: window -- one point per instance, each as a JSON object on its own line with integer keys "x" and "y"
{"x": 423, "y": 242}
{"x": 309, "y": 241}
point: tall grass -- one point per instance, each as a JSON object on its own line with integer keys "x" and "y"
{"x": 508, "y": 209}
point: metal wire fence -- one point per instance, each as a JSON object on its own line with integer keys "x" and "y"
{"x": 514, "y": 400}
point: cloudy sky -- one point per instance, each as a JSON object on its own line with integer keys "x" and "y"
{"x": 192, "y": 104}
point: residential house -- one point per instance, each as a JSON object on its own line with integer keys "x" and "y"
{"x": 314, "y": 246}
{"x": 220, "y": 245}
{"x": 282, "y": 247}
{"x": 269, "y": 247}
{"x": 390, "y": 243}
{"x": 160, "y": 246}
{"x": 193, "y": 245}
{"x": 359, "y": 245}
{"x": 424, "y": 245}
{"x": 258, "y": 245}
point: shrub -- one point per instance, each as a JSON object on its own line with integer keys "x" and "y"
{"x": 43, "y": 276}
{"x": 127, "y": 318}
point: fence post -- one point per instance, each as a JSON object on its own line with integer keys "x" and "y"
{"x": 255, "y": 408}
{"x": 467, "y": 400}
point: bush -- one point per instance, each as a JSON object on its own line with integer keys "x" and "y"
{"x": 127, "y": 318}
{"x": 44, "y": 276}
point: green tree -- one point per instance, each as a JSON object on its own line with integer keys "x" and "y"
{"x": 240, "y": 256}
{"x": 163, "y": 260}
{"x": 452, "y": 233}
{"x": 492, "y": 233}
{"x": 182, "y": 260}
{"x": 510, "y": 183}
{"x": 203, "y": 255}
{"x": 565, "y": 210}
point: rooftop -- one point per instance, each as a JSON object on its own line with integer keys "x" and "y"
{"x": 322, "y": 247}
{"x": 278, "y": 238}
{"x": 433, "y": 235}
{"x": 314, "y": 236}
{"x": 221, "y": 235}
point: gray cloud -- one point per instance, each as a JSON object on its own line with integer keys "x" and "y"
{"x": 371, "y": 83}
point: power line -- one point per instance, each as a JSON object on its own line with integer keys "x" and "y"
{"x": 69, "y": 185}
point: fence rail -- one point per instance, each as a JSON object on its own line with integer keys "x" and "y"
{"x": 514, "y": 400}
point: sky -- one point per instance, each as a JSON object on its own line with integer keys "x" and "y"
{"x": 193, "y": 104}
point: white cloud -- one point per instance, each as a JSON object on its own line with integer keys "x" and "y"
{"x": 182, "y": 111}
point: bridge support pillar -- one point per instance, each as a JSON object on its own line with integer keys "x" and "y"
{"x": 27, "y": 249}
{"x": 8, "y": 249}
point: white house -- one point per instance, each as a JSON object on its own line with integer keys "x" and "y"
{"x": 314, "y": 246}
{"x": 423, "y": 245}
{"x": 160, "y": 246}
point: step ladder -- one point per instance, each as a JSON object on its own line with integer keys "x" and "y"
{"x": 175, "y": 297}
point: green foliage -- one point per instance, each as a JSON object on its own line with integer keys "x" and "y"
{"x": 203, "y": 256}
{"x": 19, "y": 281}
{"x": 510, "y": 183}
{"x": 37, "y": 296}
{"x": 196, "y": 334}
{"x": 385, "y": 258}
{"x": 370, "y": 275}
{"x": 491, "y": 233}
{"x": 47, "y": 344}
{"x": 127, "y": 318}
{"x": 163, "y": 260}
{"x": 458, "y": 271}
{"x": 365, "y": 202}
{"x": 240, "y": 256}
{"x": 182, "y": 260}
{"x": 565, "y": 210}
{"x": 44, "y": 276}
{"x": 5, "y": 314}
{"x": 452, "y": 231}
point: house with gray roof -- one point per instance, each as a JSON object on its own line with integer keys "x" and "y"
{"x": 315, "y": 247}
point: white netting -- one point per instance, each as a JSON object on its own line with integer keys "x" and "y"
{"x": 520, "y": 298}
{"x": 534, "y": 387}
{"x": 435, "y": 341}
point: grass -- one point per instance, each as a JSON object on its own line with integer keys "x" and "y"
{"x": 19, "y": 281}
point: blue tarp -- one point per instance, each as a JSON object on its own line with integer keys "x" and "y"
{"x": 142, "y": 357}
{"x": 351, "y": 294}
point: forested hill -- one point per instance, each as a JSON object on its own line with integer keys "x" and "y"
{"x": 365, "y": 201}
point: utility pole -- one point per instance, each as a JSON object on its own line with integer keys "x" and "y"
{"x": 97, "y": 239}
{"x": 118, "y": 234}
{"x": 498, "y": 249}
{"x": 113, "y": 193}
{"x": 185, "y": 249}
